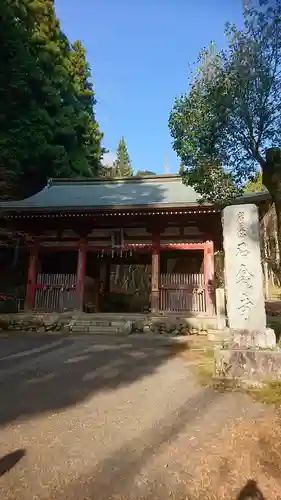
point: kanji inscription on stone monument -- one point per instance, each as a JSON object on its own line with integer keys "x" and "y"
{"x": 243, "y": 271}
{"x": 244, "y": 276}
{"x": 242, "y": 249}
{"x": 245, "y": 305}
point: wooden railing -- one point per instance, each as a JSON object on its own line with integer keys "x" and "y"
{"x": 55, "y": 292}
{"x": 178, "y": 293}
{"x": 182, "y": 293}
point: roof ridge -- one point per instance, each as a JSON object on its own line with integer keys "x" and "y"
{"x": 124, "y": 180}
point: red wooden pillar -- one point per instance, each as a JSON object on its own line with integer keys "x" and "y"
{"x": 155, "y": 270}
{"x": 80, "y": 274}
{"x": 31, "y": 277}
{"x": 209, "y": 277}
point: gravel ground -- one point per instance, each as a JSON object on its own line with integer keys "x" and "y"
{"x": 94, "y": 418}
{"x": 15, "y": 346}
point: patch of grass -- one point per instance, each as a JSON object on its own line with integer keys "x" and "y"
{"x": 197, "y": 353}
{"x": 202, "y": 367}
{"x": 208, "y": 354}
{"x": 203, "y": 372}
{"x": 270, "y": 393}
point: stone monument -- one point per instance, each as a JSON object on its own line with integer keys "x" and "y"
{"x": 244, "y": 278}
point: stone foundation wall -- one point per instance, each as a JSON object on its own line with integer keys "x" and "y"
{"x": 175, "y": 325}
{"x": 35, "y": 322}
{"x": 147, "y": 324}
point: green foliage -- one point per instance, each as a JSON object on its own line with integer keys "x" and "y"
{"x": 255, "y": 185}
{"x": 142, "y": 173}
{"x": 269, "y": 393}
{"x": 181, "y": 169}
{"x": 47, "y": 122}
{"x": 18, "y": 74}
{"x": 91, "y": 137}
{"x": 228, "y": 125}
{"x": 122, "y": 165}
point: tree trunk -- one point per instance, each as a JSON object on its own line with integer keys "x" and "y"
{"x": 265, "y": 260}
{"x": 271, "y": 176}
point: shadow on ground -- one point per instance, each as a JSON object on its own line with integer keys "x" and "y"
{"x": 120, "y": 475}
{"x": 70, "y": 374}
{"x": 10, "y": 460}
{"x": 251, "y": 491}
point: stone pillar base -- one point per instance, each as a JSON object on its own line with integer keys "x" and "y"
{"x": 248, "y": 366}
{"x": 252, "y": 339}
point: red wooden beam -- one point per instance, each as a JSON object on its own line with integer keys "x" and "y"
{"x": 182, "y": 246}
{"x": 155, "y": 271}
{"x": 209, "y": 276}
{"x": 141, "y": 239}
{"x": 81, "y": 273}
{"x": 129, "y": 246}
{"x": 31, "y": 277}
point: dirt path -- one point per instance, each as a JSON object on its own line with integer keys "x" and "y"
{"x": 102, "y": 419}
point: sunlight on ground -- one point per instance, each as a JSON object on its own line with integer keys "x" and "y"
{"x": 200, "y": 357}
{"x": 248, "y": 452}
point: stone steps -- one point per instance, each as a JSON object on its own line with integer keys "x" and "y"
{"x": 100, "y": 326}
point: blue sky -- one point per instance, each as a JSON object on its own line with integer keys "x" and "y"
{"x": 141, "y": 53}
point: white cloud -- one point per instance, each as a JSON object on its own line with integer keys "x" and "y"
{"x": 108, "y": 159}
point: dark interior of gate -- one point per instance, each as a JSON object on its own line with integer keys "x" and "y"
{"x": 120, "y": 281}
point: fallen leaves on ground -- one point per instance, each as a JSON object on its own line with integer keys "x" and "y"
{"x": 244, "y": 463}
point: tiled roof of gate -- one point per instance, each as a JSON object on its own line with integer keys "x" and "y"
{"x": 102, "y": 194}
{"x": 157, "y": 191}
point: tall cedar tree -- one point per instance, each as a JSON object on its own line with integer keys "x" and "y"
{"x": 228, "y": 125}
{"x": 46, "y": 130}
{"x": 81, "y": 78}
{"x": 122, "y": 164}
{"x": 25, "y": 127}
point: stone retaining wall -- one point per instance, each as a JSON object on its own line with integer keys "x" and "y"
{"x": 64, "y": 322}
{"x": 169, "y": 325}
{"x": 35, "y": 322}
